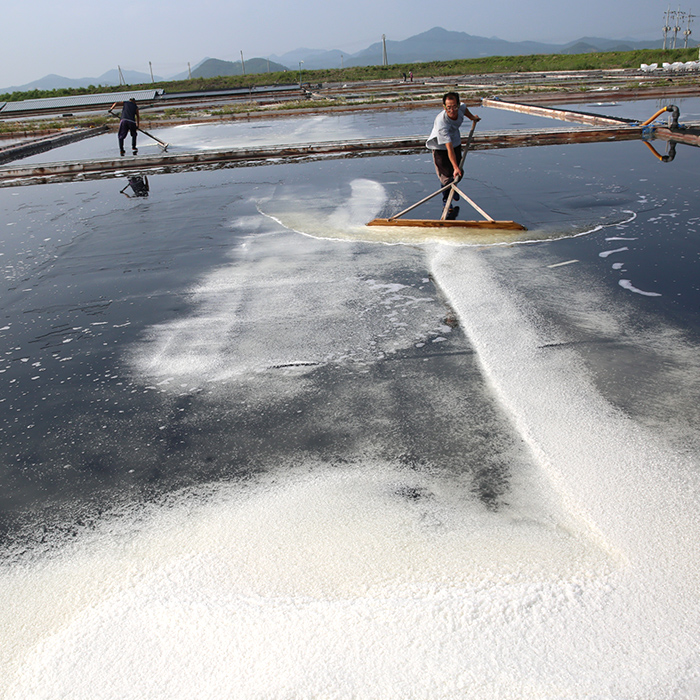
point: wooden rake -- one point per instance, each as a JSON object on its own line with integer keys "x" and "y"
{"x": 488, "y": 222}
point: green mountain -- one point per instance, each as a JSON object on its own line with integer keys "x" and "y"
{"x": 213, "y": 67}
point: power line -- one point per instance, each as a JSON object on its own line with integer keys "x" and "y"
{"x": 673, "y": 22}
{"x": 687, "y": 32}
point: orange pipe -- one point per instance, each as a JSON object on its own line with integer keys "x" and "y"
{"x": 658, "y": 114}
{"x": 653, "y": 150}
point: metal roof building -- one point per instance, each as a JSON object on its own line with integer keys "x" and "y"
{"x": 76, "y": 101}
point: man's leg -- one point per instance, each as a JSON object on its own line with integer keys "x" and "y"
{"x": 445, "y": 170}
{"x": 123, "y": 131}
{"x": 133, "y": 139}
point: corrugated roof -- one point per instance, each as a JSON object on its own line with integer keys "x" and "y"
{"x": 105, "y": 98}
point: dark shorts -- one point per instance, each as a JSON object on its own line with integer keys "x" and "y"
{"x": 126, "y": 128}
{"x": 443, "y": 167}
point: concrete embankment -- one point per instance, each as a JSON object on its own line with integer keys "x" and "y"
{"x": 46, "y": 143}
{"x": 238, "y": 157}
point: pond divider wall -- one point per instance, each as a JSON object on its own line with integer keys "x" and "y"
{"x": 166, "y": 162}
{"x": 41, "y": 145}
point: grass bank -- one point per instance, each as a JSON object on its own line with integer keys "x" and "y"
{"x": 490, "y": 64}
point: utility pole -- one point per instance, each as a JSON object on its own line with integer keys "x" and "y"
{"x": 189, "y": 70}
{"x": 242, "y": 63}
{"x": 667, "y": 26}
{"x": 300, "y": 65}
{"x": 384, "y": 60}
{"x": 121, "y": 76}
{"x": 341, "y": 61}
{"x": 678, "y": 19}
{"x": 687, "y": 32}
{"x": 150, "y": 66}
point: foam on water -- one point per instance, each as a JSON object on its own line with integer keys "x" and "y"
{"x": 281, "y": 303}
{"x": 347, "y": 221}
{"x": 627, "y": 284}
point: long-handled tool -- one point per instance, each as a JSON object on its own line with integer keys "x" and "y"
{"x": 443, "y": 220}
{"x": 448, "y": 202}
{"x": 162, "y": 144}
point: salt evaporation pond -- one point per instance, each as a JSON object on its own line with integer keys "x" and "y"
{"x": 253, "y": 449}
{"x": 243, "y": 132}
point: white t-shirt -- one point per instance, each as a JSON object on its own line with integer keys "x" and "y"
{"x": 446, "y": 130}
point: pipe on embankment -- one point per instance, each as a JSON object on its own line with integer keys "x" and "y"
{"x": 669, "y": 108}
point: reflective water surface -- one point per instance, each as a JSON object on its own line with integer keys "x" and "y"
{"x": 252, "y": 447}
{"x": 245, "y": 132}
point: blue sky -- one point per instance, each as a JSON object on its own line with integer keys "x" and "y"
{"x": 77, "y": 38}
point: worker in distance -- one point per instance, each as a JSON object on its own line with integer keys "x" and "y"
{"x": 130, "y": 122}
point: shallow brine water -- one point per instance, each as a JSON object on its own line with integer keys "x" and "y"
{"x": 245, "y": 132}
{"x": 252, "y": 448}
{"x": 241, "y": 131}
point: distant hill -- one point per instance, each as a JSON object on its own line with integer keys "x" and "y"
{"x": 580, "y": 47}
{"x": 111, "y": 77}
{"x": 436, "y": 44}
{"x": 439, "y": 44}
{"x": 314, "y": 59}
{"x": 213, "y": 67}
{"x": 442, "y": 45}
{"x": 131, "y": 77}
{"x": 599, "y": 44}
